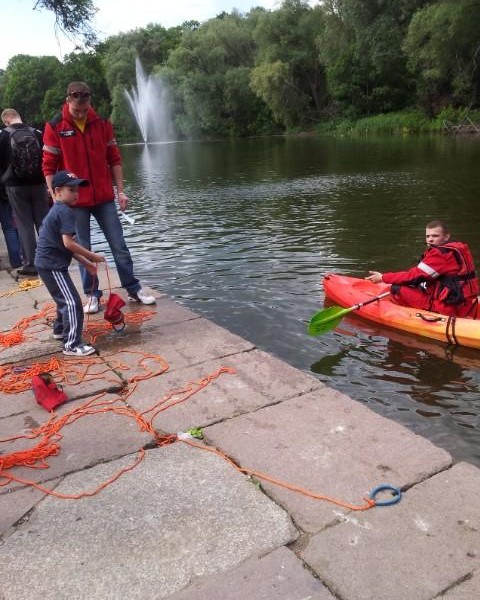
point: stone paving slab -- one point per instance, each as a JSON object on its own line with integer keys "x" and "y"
{"x": 166, "y": 312}
{"x": 259, "y": 380}
{"x": 79, "y": 378}
{"x": 277, "y": 576}
{"x": 22, "y": 301}
{"x": 466, "y": 590}
{"x": 85, "y": 442}
{"x": 15, "y": 504}
{"x": 330, "y": 444}
{"x": 14, "y": 404}
{"x": 414, "y": 550}
{"x": 183, "y": 343}
{"x": 181, "y": 514}
{"x": 10, "y": 317}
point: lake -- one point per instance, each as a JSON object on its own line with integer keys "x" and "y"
{"x": 242, "y": 232}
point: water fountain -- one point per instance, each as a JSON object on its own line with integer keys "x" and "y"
{"x": 150, "y": 103}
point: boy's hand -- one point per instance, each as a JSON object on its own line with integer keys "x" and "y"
{"x": 91, "y": 268}
{"x": 97, "y": 258}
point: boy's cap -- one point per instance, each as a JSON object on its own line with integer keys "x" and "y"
{"x": 66, "y": 178}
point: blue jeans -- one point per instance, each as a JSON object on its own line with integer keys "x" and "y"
{"x": 109, "y": 222}
{"x": 10, "y": 233}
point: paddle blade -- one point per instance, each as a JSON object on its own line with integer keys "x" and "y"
{"x": 326, "y": 319}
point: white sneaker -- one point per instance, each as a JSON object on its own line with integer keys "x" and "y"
{"x": 91, "y": 307}
{"x": 81, "y": 350}
{"x": 142, "y": 297}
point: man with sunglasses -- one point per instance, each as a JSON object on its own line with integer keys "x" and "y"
{"x": 79, "y": 140}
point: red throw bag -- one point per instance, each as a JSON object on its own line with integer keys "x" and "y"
{"x": 47, "y": 393}
{"x": 113, "y": 314}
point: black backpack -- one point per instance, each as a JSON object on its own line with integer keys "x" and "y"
{"x": 25, "y": 153}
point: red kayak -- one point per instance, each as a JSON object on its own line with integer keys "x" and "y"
{"x": 349, "y": 291}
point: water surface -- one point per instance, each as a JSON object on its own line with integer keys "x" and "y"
{"x": 243, "y": 232}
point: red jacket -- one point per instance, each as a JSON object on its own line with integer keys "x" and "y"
{"x": 89, "y": 155}
{"x": 446, "y": 271}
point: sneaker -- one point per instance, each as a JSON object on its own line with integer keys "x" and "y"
{"x": 27, "y": 271}
{"x": 141, "y": 297}
{"x": 91, "y": 307}
{"x": 81, "y": 350}
{"x": 58, "y": 336}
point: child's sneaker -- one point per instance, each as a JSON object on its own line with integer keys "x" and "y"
{"x": 91, "y": 307}
{"x": 141, "y": 297}
{"x": 81, "y": 350}
{"x": 58, "y": 336}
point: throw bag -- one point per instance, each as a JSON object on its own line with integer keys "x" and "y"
{"x": 47, "y": 393}
{"x": 113, "y": 314}
{"x": 25, "y": 153}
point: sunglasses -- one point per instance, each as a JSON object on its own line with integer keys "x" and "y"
{"x": 78, "y": 95}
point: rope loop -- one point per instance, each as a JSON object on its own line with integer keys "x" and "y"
{"x": 384, "y": 487}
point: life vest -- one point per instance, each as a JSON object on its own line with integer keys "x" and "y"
{"x": 456, "y": 289}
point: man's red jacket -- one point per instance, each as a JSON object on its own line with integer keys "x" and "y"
{"x": 89, "y": 155}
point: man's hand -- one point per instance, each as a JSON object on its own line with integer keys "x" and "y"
{"x": 122, "y": 201}
{"x": 374, "y": 277}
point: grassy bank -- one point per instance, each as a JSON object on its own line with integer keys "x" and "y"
{"x": 405, "y": 122}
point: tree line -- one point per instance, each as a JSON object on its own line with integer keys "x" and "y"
{"x": 264, "y": 72}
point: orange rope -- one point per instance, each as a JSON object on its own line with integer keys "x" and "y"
{"x": 289, "y": 486}
{"x": 17, "y": 379}
{"x": 17, "y": 333}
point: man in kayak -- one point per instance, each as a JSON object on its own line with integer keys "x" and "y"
{"x": 444, "y": 281}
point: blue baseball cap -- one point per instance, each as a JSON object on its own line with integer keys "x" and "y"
{"x": 66, "y": 178}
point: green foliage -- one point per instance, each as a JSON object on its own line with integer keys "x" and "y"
{"x": 72, "y": 16}
{"x": 442, "y": 45}
{"x": 341, "y": 65}
{"x": 196, "y": 432}
{"x": 288, "y": 76}
{"x": 209, "y": 75}
{"x": 401, "y": 122}
{"x": 152, "y": 44}
{"x": 26, "y": 82}
{"x": 362, "y": 51}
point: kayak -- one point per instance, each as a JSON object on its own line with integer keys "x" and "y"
{"x": 348, "y": 291}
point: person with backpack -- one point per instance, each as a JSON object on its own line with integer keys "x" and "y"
{"x": 22, "y": 176}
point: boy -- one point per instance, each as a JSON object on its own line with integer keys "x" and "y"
{"x": 55, "y": 248}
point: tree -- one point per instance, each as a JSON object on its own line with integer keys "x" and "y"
{"x": 362, "y": 50}
{"x": 26, "y": 81}
{"x": 443, "y": 50}
{"x": 288, "y": 75}
{"x": 73, "y": 17}
{"x": 209, "y": 75}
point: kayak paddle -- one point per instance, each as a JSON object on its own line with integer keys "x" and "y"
{"x": 330, "y": 317}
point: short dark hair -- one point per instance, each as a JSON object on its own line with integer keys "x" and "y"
{"x": 437, "y": 223}
{"x": 77, "y": 86}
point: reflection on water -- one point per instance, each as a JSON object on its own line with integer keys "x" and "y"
{"x": 244, "y": 231}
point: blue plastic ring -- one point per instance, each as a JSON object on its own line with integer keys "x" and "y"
{"x": 396, "y": 494}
